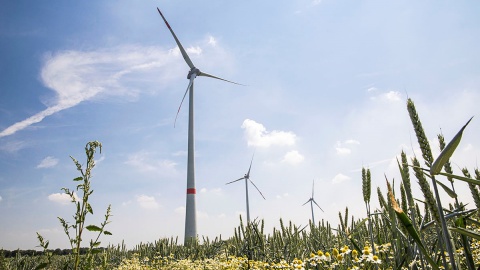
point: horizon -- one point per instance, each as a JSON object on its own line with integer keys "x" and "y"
{"x": 326, "y": 85}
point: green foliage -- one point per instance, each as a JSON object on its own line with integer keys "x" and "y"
{"x": 83, "y": 208}
{"x": 395, "y": 237}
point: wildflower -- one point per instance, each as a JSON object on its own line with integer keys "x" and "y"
{"x": 354, "y": 253}
{"x": 335, "y": 252}
{"x": 297, "y": 264}
{"x": 376, "y": 260}
{"x": 339, "y": 257}
{"x": 345, "y": 249}
{"x": 327, "y": 257}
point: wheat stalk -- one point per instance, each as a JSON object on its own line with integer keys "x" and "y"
{"x": 427, "y": 192}
{"x": 473, "y": 188}
{"x": 419, "y": 132}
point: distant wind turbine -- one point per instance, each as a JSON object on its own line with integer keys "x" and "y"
{"x": 190, "y": 215}
{"x": 312, "y": 201}
{"x": 247, "y": 179}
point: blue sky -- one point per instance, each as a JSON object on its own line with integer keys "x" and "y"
{"x": 326, "y": 89}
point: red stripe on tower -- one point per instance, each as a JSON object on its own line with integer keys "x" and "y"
{"x": 191, "y": 191}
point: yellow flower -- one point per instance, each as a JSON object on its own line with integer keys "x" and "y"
{"x": 320, "y": 253}
{"x": 327, "y": 257}
{"x": 376, "y": 260}
{"x": 354, "y": 253}
{"x": 335, "y": 252}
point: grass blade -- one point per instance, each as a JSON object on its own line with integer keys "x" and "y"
{"x": 447, "y": 152}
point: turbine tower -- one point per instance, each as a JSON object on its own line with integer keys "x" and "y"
{"x": 312, "y": 201}
{"x": 191, "y": 212}
{"x": 247, "y": 179}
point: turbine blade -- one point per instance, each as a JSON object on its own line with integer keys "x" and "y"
{"x": 307, "y": 202}
{"x": 184, "y": 95}
{"x": 218, "y": 78}
{"x": 235, "y": 180}
{"x": 251, "y": 161}
{"x": 182, "y": 50}
{"x": 317, "y": 205}
{"x": 313, "y": 187}
{"x": 257, "y": 189}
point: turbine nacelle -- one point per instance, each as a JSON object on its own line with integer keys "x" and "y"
{"x": 192, "y": 71}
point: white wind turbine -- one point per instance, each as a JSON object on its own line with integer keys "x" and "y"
{"x": 190, "y": 215}
{"x": 312, "y": 201}
{"x": 247, "y": 179}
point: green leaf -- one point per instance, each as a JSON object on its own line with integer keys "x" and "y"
{"x": 78, "y": 179}
{"x": 355, "y": 245}
{"x": 96, "y": 244}
{"x": 447, "y": 151}
{"x": 89, "y": 208}
{"x": 450, "y": 192}
{"x": 408, "y": 225}
{"x": 93, "y": 228}
{"x": 96, "y": 251}
{"x": 41, "y": 266}
{"x": 461, "y": 178}
{"x": 107, "y": 233}
{"x": 466, "y": 232}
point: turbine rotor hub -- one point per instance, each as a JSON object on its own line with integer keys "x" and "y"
{"x": 195, "y": 71}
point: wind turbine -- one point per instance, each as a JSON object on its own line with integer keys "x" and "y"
{"x": 191, "y": 213}
{"x": 312, "y": 201}
{"x": 247, "y": 179}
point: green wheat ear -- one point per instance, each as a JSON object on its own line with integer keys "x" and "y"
{"x": 419, "y": 132}
{"x": 366, "y": 185}
{"x": 427, "y": 192}
{"x": 473, "y": 188}
{"x": 381, "y": 199}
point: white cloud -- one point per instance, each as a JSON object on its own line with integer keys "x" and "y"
{"x": 257, "y": 135}
{"x": 316, "y": 2}
{"x": 293, "y": 157}
{"x": 13, "y": 147}
{"x": 145, "y": 163}
{"x": 194, "y": 50}
{"x": 211, "y": 192}
{"x": 48, "y": 162}
{"x": 342, "y": 150}
{"x": 180, "y": 154}
{"x": 77, "y": 76}
{"x": 390, "y": 96}
{"x": 62, "y": 198}
{"x": 202, "y": 215}
{"x": 212, "y": 41}
{"x": 468, "y": 147}
{"x": 1, "y": 198}
{"x": 147, "y": 202}
{"x": 180, "y": 210}
{"x": 339, "y": 178}
{"x": 393, "y": 96}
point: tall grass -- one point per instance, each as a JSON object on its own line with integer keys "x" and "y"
{"x": 403, "y": 233}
